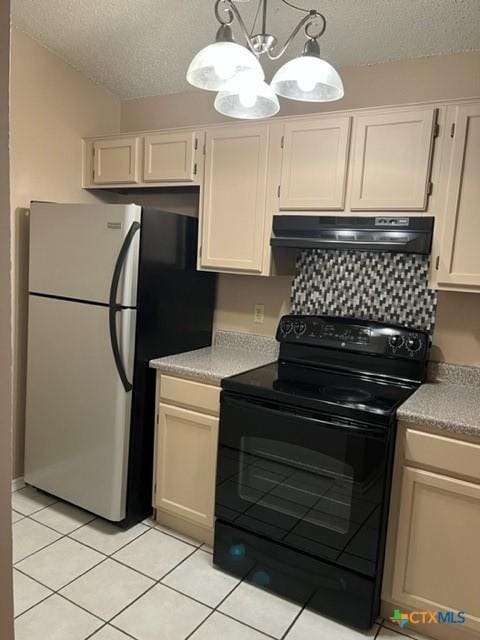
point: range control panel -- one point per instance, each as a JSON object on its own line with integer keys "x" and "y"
{"x": 353, "y": 335}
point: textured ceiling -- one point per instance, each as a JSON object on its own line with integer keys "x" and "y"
{"x": 143, "y": 47}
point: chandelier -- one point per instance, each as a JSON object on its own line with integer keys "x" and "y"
{"x": 235, "y": 72}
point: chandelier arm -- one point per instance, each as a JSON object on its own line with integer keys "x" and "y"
{"x": 293, "y": 6}
{"x": 304, "y": 22}
{"x": 221, "y": 19}
{"x": 233, "y": 11}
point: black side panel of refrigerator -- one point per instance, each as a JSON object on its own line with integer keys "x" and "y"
{"x": 175, "y": 305}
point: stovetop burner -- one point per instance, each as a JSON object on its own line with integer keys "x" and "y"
{"x": 346, "y": 394}
{"x": 353, "y": 369}
{"x": 326, "y": 391}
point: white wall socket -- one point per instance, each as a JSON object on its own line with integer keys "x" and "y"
{"x": 259, "y": 313}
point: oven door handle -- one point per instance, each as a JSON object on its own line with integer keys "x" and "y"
{"x": 359, "y": 429}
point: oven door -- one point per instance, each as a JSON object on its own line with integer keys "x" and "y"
{"x": 313, "y": 483}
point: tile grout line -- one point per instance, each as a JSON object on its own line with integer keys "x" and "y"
{"x": 294, "y": 621}
{"x": 199, "y": 625}
{"x": 217, "y": 610}
{"x": 249, "y": 626}
{"x": 105, "y": 557}
{"x": 400, "y": 633}
{"x": 57, "y": 591}
{"x": 157, "y": 582}
{"x": 69, "y": 536}
{"x": 171, "y": 535}
{"x": 110, "y": 556}
{"x": 213, "y": 609}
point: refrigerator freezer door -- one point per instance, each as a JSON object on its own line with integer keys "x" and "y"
{"x": 78, "y": 413}
{"x": 74, "y": 248}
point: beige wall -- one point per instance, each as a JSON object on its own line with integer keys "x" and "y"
{"x": 6, "y": 605}
{"x": 437, "y": 77}
{"x": 457, "y": 333}
{"x": 53, "y": 106}
{"x": 237, "y": 296}
{"x": 457, "y": 337}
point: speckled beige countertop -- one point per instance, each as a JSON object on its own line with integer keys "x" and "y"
{"x": 450, "y": 401}
{"x": 231, "y": 353}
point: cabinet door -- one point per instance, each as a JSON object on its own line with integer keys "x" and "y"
{"x": 459, "y": 262}
{"x": 391, "y": 160}
{"x": 234, "y": 200}
{"x": 315, "y": 161}
{"x": 437, "y": 563}
{"x": 116, "y": 161}
{"x": 186, "y": 464}
{"x": 170, "y": 157}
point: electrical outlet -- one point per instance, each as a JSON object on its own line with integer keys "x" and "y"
{"x": 259, "y": 313}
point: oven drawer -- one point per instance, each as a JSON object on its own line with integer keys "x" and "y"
{"x": 328, "y": 589}
{"x": 188, "y": 393}
{"x": 447, "y": 454}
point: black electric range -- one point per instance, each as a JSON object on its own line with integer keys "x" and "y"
{"x": 305, "y": 462}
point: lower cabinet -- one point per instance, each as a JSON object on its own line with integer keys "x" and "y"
{"x": 437, "y": 563}
{"x": 434, "y": 532}
{"x": 186, "y": 457}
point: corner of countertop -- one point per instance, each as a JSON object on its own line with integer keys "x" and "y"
{"x": 231, "y": 353}
{"x": 453, "y": 373}
{"x": 448, "y": 401}
{"x": 250, "y": 341}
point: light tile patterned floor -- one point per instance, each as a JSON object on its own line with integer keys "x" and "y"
{"x": 78, "y": 577}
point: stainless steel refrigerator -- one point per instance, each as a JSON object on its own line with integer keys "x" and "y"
{"x": 110, "y": 287}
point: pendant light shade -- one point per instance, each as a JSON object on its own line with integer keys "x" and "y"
{"x": 248, "y": 98}
{"x": 308, "y": 79}
{"x": 236, "y": 74}
{"x": 214, "y": 66}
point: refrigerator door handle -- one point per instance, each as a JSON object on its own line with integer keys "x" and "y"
{"x": 114, "y": 308}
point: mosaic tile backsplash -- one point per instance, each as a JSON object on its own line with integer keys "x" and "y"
{"x": 387, "y": 287}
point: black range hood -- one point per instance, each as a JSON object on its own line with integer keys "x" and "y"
{"x": 383, "y": 233}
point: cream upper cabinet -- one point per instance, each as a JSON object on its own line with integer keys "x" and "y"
{"x": 459, "y": 254}
{"x": 234, "y": 199}
{"x": 116, "y": 160}
{"x": 391, "y": 160}
{"x": 186, "y": 464}
{"x": 170, "y": 157}
{"x": 314, "y": 168}
{"x": 437, "y": 563}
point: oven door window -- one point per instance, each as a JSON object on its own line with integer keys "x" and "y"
{"x": 295, "y": 481}
{"x": 309, "y": 483}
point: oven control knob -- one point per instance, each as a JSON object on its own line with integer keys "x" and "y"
{"x": 286, "y": 327}
{"x": 299, "y": 328}
{"x": 395, "y": 341}
{"x": 413, "y": 344}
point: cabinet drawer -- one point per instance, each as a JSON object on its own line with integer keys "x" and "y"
{"x": 188, "y": 393}
{"x": 447, "y": 454}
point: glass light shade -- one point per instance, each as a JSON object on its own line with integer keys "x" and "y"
{"x": 248, "y": 98}
{"x": 215, "y": 65}
{"x": 309, "y": 79}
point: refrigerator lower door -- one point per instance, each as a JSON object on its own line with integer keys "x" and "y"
{"x": 78, "y": 412}
{"x": 74, "y": 249}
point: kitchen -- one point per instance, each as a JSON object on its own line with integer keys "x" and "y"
{"x": 296, "y": 238}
